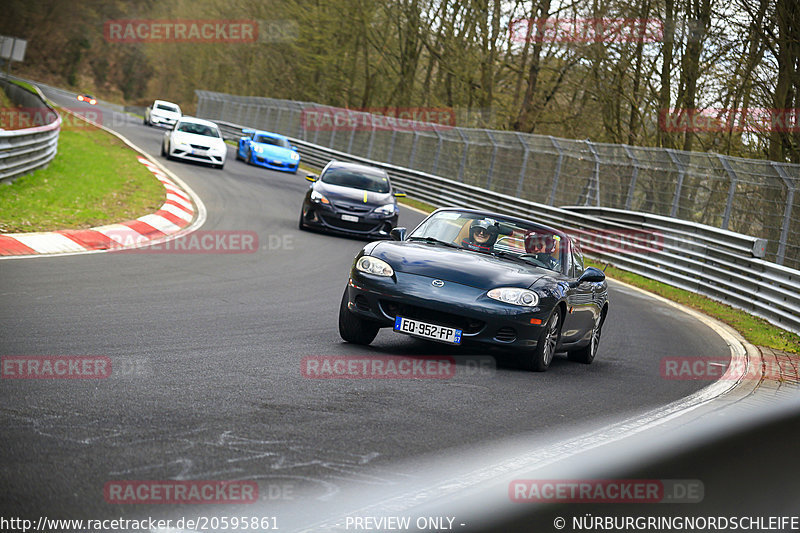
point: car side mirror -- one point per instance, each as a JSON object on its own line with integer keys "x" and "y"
{"x": 399, "y": 194}
{"x": 590, "y": 275}
{"x": 311, "y": 177}
{"x": 398, "y": 234}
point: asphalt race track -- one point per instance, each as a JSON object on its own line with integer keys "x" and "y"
{"x": 207, "y": 352}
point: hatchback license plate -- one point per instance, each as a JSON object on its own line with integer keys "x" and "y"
{"x": 427, "y": 331}
{"x": 349, "y": 218}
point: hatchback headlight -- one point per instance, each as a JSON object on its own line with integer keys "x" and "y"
{"x": 387, "y": 209}
{"x": 514, "y": 296}
{"x": 372, "y": 265}
{"x": 319, "y": 198}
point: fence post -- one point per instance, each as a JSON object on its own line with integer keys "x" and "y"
{"x": 438, "y": 149}
{"x": 726, "y": 217}
{"x": 787, "y": 211}
{"x": 413, "y": 147}
{"x": 557, "y": 173}
{"x": 371, "y": 138}
{"x": 679, "y": 186}
{"x": 634, "y": 177}
{"x": 522, "y": 170}
{"x": 352, "y": 133}
{"x": 594, "y": 184}
{"x": 463, "y": 155}
{"x": 391, "y": 146}
{"x": 491, "y": 161}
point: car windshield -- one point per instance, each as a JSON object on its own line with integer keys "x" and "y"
{"x": 373, "y": 181}
{"x": 166, "y": 107}
{"x": 199, "y": 129}
{"x": 529, "y": 242}
{"x": 264, "y": 139}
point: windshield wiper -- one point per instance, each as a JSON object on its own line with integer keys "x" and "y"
{"x": 431, "y": 240}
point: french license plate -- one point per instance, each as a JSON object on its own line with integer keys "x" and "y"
{"x": 349, "y": 218}
{"x": 427, "y": 331}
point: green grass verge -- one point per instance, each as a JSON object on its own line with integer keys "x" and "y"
{"x": 24, "y": 85}
{"x": 95, "y": 179}
{"x": 754, "y": 329}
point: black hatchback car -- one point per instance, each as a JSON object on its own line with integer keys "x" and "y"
{"x": 467, "y": 275}
{"x": 351, "y": 198}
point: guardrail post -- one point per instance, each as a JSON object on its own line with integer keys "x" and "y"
{"x": 594, "y": 184}
{"x": 524, "y": 167}
{"x": 438, "y": 149}
{"x": 679, "y": 185}
{"x": 634, "y": 177}
{"x": 787, "y": 211}
{"x": 491, "y": 161}
{"x": 557, "y": 173}
{"x": 463, "y": 155}
{"x": 726, "y": 217}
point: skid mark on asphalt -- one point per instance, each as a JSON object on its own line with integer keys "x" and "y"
{"x": 206, "y": 453}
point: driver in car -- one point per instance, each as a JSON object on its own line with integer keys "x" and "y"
{"x": 482, "y": 236}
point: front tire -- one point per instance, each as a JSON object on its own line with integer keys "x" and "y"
{"x": 587, "y": 354}
{"x": 353, "y": 328}
{"x": 301, "y": 225}
{"x": 542, "y": 356}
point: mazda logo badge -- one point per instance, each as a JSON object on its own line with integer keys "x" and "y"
{"x": 437, "y": 283}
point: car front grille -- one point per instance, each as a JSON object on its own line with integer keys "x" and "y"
{"x": 351, "y": 208}
{"x": 336, "y": 222}
{"x": 200, "y": 147}
{"x": 467, "y": 325}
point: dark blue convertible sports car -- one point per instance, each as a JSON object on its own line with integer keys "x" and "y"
{"x": 268, "y": 150}
{"x": 466, "y": 275}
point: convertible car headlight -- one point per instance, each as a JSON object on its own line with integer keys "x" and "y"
{"x": 371, "y": 265}
{"x": 387, "y": 209}
{"x": 515, "y": 296}
{"x": 317, "y": 197}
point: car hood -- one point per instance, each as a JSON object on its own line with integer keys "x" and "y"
{"x": 270, "y": 150}
{"x": 193, "y": 138}
{"x": 475, "y": 269}
{"x": 351, "y": 196}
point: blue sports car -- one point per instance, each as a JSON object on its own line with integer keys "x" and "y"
{"x": 268, "y": 150}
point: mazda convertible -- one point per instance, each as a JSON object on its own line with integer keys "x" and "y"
{"x": 469, "y": 276}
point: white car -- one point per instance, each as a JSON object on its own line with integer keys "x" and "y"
{"x": 162, "y": 113}
{"x": 195, "y": 139}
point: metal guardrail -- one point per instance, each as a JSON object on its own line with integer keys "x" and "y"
{"x": 749, "y": 196}
{"x": 720, "y": 264}
{"x": 24, "y": 150}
